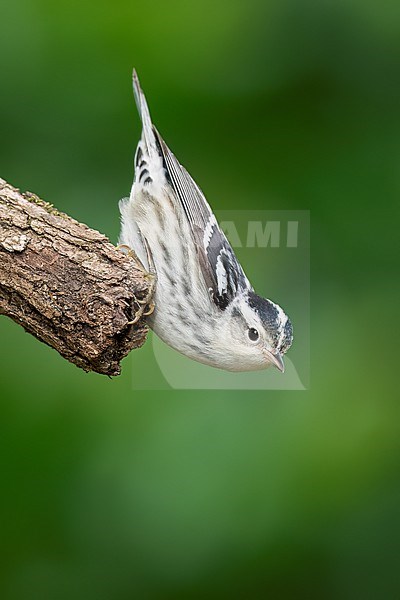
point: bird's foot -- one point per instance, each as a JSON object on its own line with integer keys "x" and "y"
{"x": 146, "y": 304}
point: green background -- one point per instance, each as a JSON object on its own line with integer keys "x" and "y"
{"x": 108, "y": 492}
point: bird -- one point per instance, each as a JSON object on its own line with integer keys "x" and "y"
{"x": 203, "y": 305}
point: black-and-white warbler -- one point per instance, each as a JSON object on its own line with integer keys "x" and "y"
{"x": 205, "y": 307}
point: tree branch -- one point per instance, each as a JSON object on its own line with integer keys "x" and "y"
{"x": 67, "y": 284}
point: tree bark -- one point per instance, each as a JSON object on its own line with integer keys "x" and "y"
{"x": 67, "y": 285}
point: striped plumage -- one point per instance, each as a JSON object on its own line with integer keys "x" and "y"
{"x": 205, "y": 307}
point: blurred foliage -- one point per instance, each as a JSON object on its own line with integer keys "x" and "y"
{"x": 111, "y": 493}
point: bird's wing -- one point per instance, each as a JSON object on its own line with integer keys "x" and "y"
{"x": 221, "y": 270}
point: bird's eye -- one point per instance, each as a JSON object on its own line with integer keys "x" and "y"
{"x": 253, "y": 334}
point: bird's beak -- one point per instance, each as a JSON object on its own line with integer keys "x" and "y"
{"x": 275, "y": 359}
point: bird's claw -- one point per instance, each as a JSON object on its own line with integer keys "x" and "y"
{"x": 142, "y": 312}
{"x": 146, "y": 302}
{"x": 150, "y": 310}
{"x": 132, "y": 254}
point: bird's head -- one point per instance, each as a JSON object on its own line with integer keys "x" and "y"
{"x": 261, "y": 331}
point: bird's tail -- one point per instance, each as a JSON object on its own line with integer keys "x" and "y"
{"x": 141, "y": 103}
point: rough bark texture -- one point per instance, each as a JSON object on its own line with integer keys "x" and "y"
{"x": 67, "y": 284}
